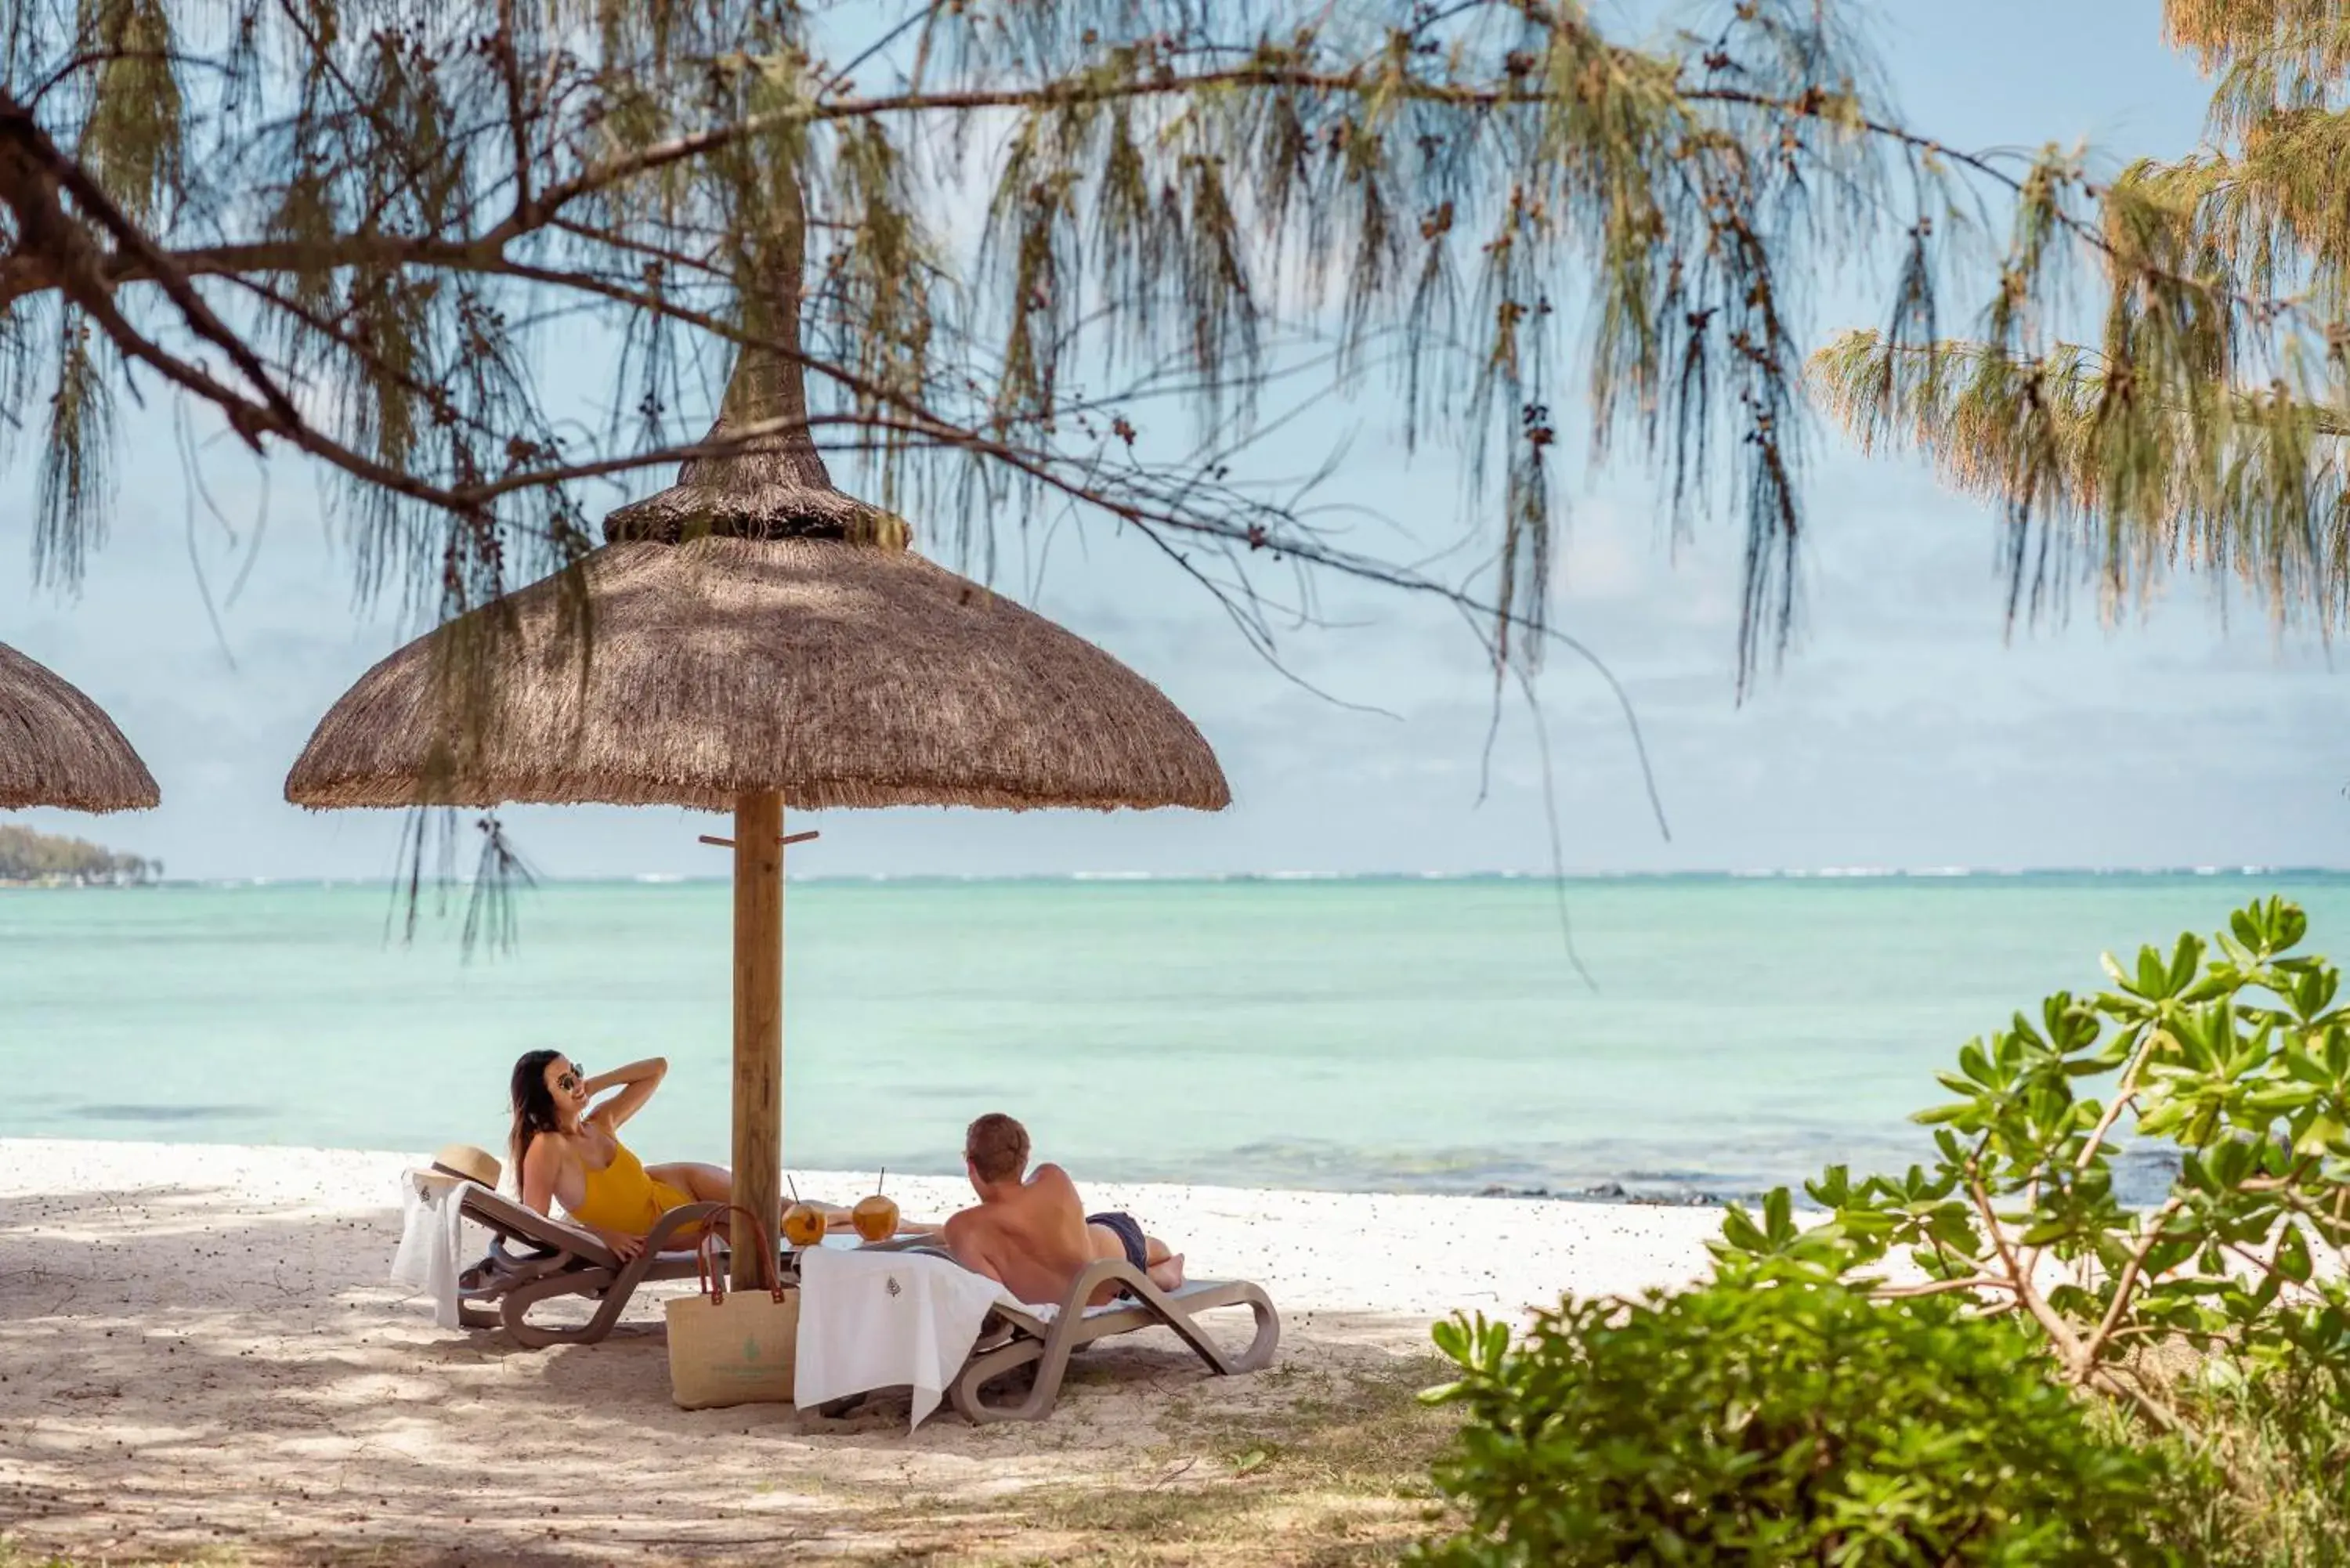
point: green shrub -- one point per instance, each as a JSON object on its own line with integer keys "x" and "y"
{"x": 2236, "y": 1052}
{"x": 1803, "y": 1410}
{"x": 1773, "y": 1418}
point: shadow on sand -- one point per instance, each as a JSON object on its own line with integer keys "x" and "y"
{"x": 179, "y": 1370}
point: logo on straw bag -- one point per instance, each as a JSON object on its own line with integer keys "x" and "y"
{"x": 750, "y": 1348}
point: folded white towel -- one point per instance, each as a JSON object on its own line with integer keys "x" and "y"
{"x": 884, "y": 1320}
{"x": 432, "y": 1233}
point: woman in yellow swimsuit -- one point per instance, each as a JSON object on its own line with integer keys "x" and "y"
{"x": 569, "y": 1151}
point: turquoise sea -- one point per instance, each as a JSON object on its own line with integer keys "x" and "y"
{"x": 1372, "y": 1034}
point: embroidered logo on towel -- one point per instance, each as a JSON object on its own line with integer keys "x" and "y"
{"x": 893, "y": 1280}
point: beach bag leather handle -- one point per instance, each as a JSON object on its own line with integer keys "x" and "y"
{"x": 712, "y": 1278}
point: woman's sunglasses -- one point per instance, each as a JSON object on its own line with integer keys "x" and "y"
{"x": 569, "y": 1081}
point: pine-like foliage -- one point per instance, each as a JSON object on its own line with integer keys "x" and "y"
{"x": 2190, "y": 412}
{"x": 1066, "y": 260}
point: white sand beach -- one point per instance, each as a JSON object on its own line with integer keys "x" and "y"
{"x": 198, "y": 1350}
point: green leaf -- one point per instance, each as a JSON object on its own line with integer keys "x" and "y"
{"x": 2293, "y": 1255}
{"x": 2314, "y": 992}
{"x": 2184, "y": 961}
{"x": 2323, "y": 1136}
{"x": 2308, "y": 1069}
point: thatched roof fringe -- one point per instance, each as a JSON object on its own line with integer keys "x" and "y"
{"x": 838, "y": 676}
{"x": 58, "y": 748}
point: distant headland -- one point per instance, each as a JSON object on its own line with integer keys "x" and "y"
{"x": 30, "y": 859}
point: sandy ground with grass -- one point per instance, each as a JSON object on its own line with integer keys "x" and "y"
{"x": 199, "y": 1357}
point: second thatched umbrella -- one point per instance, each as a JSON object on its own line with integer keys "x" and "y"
{"x": 58, "y": 748}
{"x": 758, "y": 640}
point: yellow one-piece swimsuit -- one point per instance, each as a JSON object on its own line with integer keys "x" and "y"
{"x": 621, "y": 1197}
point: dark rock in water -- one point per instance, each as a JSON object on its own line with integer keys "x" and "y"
{"x": 1616, "y": 1192}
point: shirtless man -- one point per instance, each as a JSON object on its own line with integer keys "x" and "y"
{"x": 1033, "y": 1236}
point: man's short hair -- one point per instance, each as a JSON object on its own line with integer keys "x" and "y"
{"x": 997, "y": 1148}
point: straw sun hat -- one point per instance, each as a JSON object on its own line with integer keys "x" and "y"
{"x": 464, "y": 1162}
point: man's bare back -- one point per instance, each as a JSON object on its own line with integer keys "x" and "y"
{"x": 1032, "y": 1234}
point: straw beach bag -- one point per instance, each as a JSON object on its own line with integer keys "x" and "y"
{"x": 733, "y": 1347}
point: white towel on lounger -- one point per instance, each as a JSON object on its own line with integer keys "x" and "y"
{"x": 884, "y": 1320}
{"x": 431, "y": 1232}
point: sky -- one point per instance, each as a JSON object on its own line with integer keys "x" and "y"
{"x": 1907, "y": 728}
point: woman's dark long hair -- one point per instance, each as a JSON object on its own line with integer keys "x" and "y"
{"x": 534, "y": 1105}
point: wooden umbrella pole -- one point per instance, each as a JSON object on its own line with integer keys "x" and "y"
{"x": 758, "y": 1017}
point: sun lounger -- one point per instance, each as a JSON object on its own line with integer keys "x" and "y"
{"x": 1017, "y": 1335}
{"x": 535, "y": 1258}
{"x": 556, "y": 1259}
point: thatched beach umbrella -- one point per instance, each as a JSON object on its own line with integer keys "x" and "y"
{"x": 760, "y": 640}
{"x": 58, "y": 748}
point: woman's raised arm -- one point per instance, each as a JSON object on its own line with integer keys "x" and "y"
{"x": 636, "y": 1081}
